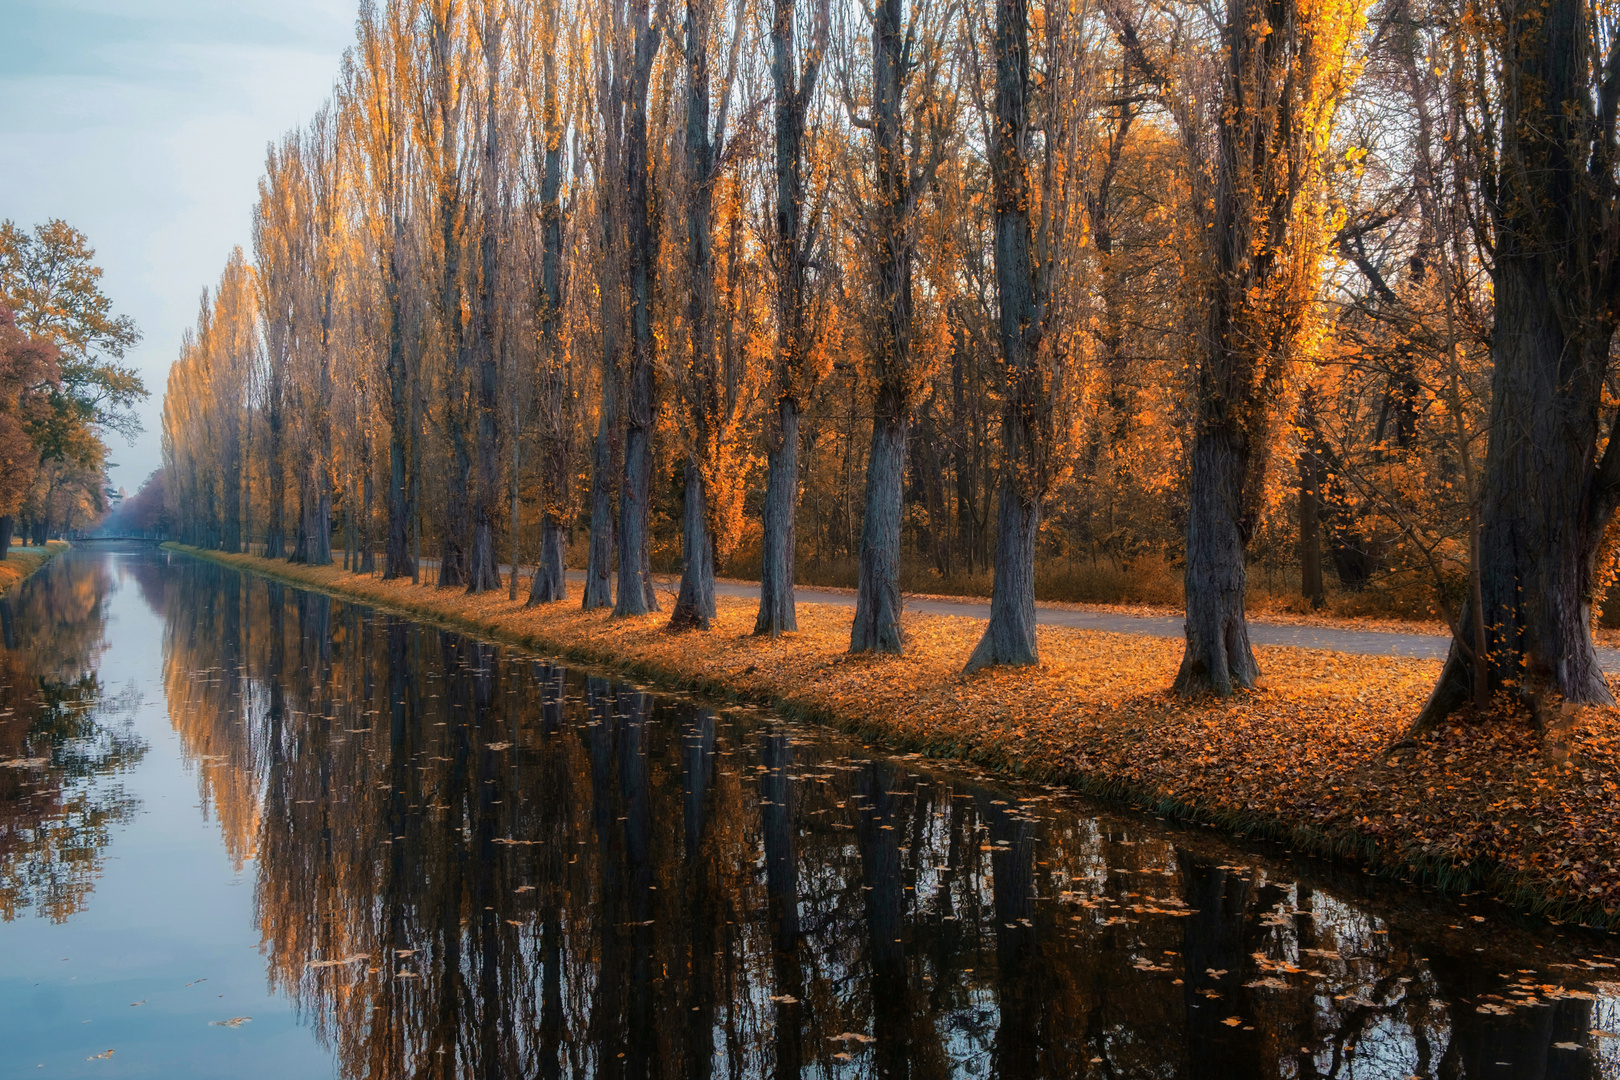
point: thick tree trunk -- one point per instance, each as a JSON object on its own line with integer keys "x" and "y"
{"x": 877, "y": 598}
{"x": 1218, "y": 656}
{"x": 694, "y": 605}
{"x": 1541, "y": 518}
{"x": 7, "y": 523}
{"x": 778, "y": 539}
{"x": 1010, "y": 637}
{"x": 635, "y": 591}
{"x": 550, "y": 582}
{"x": 1546, "y": 498}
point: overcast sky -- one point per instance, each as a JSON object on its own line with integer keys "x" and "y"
{"x": 144, "y": 124}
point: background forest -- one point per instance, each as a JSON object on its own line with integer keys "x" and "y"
{"x": 1105, "y": 301}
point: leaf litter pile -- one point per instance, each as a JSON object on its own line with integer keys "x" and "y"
{"x": 1304, "y": 757}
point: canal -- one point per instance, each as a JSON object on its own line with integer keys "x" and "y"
{"x": 252, "y": 831}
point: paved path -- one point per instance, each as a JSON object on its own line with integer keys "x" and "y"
{"x": 1331, "y": 639}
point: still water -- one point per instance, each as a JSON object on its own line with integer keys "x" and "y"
{"x": 251, "y": 831}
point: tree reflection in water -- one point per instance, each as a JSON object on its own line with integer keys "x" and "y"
{"x": 63, "y": 741}
{"x": 471, "y": 863}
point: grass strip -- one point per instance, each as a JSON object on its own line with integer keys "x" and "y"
{"x": 1491, "y": 806}
{"x": 21, "y": 563}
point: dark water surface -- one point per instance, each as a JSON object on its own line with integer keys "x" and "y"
{"x": 249, "y": 831}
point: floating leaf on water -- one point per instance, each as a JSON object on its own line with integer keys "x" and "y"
{"x": 233, "y": 1022}
{"x": 1232, "y": 1021}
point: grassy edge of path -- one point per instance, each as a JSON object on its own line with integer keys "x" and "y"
{"x": 643, "y": 650}
{"x": 22, "y": 563}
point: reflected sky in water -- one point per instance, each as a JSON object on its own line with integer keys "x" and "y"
{"x": 252, "y": 831}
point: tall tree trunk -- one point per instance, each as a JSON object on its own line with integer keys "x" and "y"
{"x": 1259, "y": 200}
{"x": 276, "y": 527}
{"x": 483, "y": 571}
{"x": 7, "y": 523}
{"x": 1218, "y": 656}
{"x": 1543, "y": 515}
{"x": 599, "y": 558}
{"x": 1010, "y": 636}
{"x": 557, "y": 415}
{"x": 694, "y": 604}
{"x": 549, "y": 583}
{"x": 793, "y": 90}
{"x": 1546, "y": 496}
{"x": 877, "y": 600}
{"x": 877, "y": 597}
{"x": 635, "y": 592}
{"x": 778, "y": 539}
{"x": 397, "y": 560}
{"x": 368, "y": 544}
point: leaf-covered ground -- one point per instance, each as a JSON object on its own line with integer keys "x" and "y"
{"x": 1303, "y": 758}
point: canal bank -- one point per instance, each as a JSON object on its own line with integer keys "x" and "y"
{"x": 21, "y": 563}
{"x": 1301, "y": 760}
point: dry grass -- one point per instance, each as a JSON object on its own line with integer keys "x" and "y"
{"x": 1303, "y": 758}
{"x": 21, "y": 562}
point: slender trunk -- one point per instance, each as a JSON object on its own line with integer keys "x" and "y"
{"x": 778, "y": 539}
{"x": 1010, "y": 636}
{"x": 877, "y": 599}
{"x": 1310, "y": 530}
{"x": 368, "y": 557}
{"x": 779, "y": 542}
{"x": 483, "y": 571}
{"x": 1218, "y": 656}
{"x": 599, "y": 562}
{"x": 694, "y": 606}
{"x": 512, "y": 521}
{"x": 275, "y": 528}
{"x": 398, "y": 561}
{"x": 877, "y": 602}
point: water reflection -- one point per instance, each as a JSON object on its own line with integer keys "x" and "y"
{"x": 471, "y": 863}
{"x": 64, "y": 741}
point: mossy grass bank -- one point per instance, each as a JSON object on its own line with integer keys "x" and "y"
{"x": 21, "y": 563}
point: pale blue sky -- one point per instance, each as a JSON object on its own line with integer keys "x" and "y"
{"x": 144, "y": 123}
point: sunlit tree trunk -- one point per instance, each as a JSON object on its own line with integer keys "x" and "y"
{"x": 557, "y": 416}
{"x": 1281, "y": 71}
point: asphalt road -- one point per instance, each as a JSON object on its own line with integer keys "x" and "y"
{"x": 1331, "y": 639}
